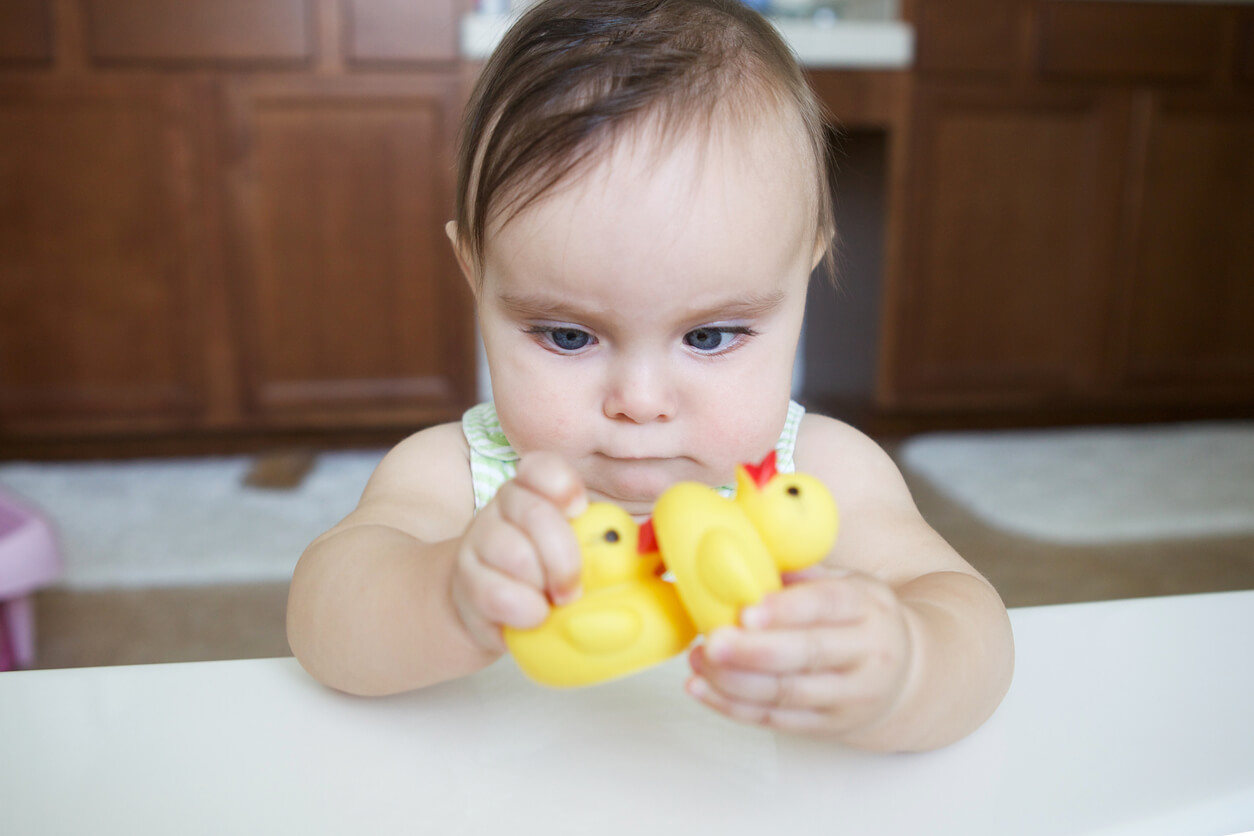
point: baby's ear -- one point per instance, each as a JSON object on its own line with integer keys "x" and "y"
{"x": 450, "y": 229}
{"x": 820, "y": 250}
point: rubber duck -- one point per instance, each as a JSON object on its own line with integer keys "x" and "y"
{"x": 726, "y": 554}
{"x": 627, "y": 618}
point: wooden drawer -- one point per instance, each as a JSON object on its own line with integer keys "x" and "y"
{"x": 208, "y": 31}
{"x": 1150, "y": 41}
{"x": 25, "y": 31}
{"x": 401, "y": 30}
{"x": 1245, "y": 47}
{"x": 968, "y": 36}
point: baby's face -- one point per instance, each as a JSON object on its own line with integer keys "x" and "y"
{"x": 643, "y": 320}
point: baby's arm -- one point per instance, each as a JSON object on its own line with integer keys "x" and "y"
{"x": 895, "y": 643}
{"x": 411, "y": 589}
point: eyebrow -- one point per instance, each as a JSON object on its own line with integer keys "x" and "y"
{"x": 555, "y": 307}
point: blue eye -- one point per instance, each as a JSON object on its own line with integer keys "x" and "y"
{"x": 718, "y": 339}
{"x": 562, "y": 339}
{"x": 705, "y": 339}
{"x": 569, "y": 339}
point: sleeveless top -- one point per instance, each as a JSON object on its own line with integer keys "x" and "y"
{"x": 493, "y": 462}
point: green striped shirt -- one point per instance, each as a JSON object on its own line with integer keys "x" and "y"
{"x": 493, "y": 461}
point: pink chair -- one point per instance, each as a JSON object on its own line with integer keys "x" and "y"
{"x": 29, "y": 559}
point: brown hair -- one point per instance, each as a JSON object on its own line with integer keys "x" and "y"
{"x": 572, "y": 74}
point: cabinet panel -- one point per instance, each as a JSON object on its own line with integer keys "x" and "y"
{"x": 352, "y": 296}
{"x": 199, "y": 30}
{"x": 1245, "y": 47}
{"x": 968, "y": 36}
{"x": 1012, "y": 228}
{"x": 1146, "y": 41}
{"x": 96, "y": 285}
{"x": 401, "y": 30}
{"x": 1192, "y": 292}
{"x": 25, "y": 31}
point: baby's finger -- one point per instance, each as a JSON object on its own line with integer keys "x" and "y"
{"x": 500, "y": 546}
{"x": 500, "y": 599}
{"x": 785, "y": 719}
{"x": 555, "y": 550}
{"x": 832, "y": 599}
{"x": 551, "y": 476}
{"x": 785, "y": 690}
{"x": 786, "y": 651}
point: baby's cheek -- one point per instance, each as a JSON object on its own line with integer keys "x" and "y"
{"x": 742, "y": 433}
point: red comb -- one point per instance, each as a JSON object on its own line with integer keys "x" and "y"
{"x": 762, "y": 472}
{"x": 646, "y": 542}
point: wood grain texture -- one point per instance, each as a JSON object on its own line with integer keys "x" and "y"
{"x": 98, "y": 292}
{"x": 1145, "y": 41}
{"x": 978, "y": 37}
{"x": 401, "y": 30}
{"x": 1191, "y": 300}
{"x": 351, "y": 297}
{"x": 1011, "y": 235}
{"x": 206, "y": 31}
{"x": 25, "y": 31}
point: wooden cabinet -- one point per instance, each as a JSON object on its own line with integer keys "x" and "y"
{"x": 223, "y": 217}
{"x": 1189, "y": 303}
{"x": 1077, "y": 214}
{"x": 1013, "y": 218}
{"x": 100, "y": 285}
{"x": 350, "y": 298}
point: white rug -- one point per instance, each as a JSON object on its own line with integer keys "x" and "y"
{"x": 184, "y": 521}
{"x": 1098, "y": 485}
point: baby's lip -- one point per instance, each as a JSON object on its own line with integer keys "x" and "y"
{"x": 636, "y": 457}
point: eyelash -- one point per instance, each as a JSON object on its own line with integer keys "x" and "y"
{"x": 546, "y": 332}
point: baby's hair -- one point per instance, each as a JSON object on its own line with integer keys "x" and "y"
{"x": 570, "y": 76}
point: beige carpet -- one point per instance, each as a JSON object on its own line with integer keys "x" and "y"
{"x": 1093, "y": 486}
{"x": 186, "y": 522}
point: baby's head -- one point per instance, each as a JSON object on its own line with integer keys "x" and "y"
{"x": 643, "y": 194}
{"x": 574, "y": 77}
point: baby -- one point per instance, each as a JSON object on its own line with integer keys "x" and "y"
{"x": 644, "y": 191}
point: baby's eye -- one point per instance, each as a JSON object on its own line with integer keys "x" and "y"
{"x": 562, "y": 338}
{"x": 714, "y": 340}
{"x": 569, "y": 339}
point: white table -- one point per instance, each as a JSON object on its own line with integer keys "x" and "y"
{"x": 1124, "y": 717}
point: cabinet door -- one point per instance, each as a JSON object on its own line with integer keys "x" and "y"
{"x": 1191, "y": 294}
{"x": 354, "y": 311}
{"x": 1005, "y": 285}
{"x": 99, "y": 290}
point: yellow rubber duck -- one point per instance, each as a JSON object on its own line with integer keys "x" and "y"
{"x": 727, "y": 554}
{"x": 627, "y": 619}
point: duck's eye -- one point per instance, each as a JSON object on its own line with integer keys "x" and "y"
{"x": 611, "y": 536}
{"x": 793, "y": 490}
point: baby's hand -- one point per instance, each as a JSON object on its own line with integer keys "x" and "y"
{"x": 827, "y": 655}
{"x": 519, "y": 554}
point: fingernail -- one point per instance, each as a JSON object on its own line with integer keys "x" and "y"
{"x": 717, "y": 646}
{"x": 576, "y": 506}
{"x": 755, "y": 618}
{"x": 698, "y": 687}
{"x": 568, "y": 596}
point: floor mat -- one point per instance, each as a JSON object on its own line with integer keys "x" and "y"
{"x": 1098, "y": 485}
{"x": 178, "y": 522}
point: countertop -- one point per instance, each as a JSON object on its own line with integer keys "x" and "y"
{"x": 1124, "y": 717}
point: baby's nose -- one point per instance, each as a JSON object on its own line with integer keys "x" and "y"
{"x": 639, "y": 390}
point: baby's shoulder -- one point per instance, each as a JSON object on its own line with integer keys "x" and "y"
{"x": 439, "y": 448}
{"x": 426, "y": 478}
{"x": 848, "y": 460}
